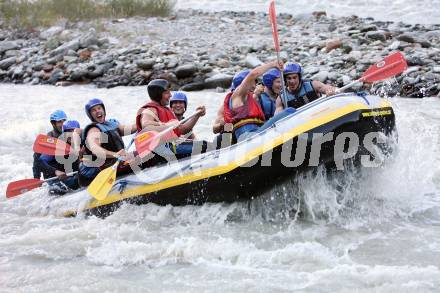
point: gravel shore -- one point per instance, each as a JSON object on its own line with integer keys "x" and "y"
{"x": 196, "y": 50}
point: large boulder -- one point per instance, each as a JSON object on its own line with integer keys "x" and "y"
{"x": 51, "y": 32}
{"x": 186, "y": 70}
{"x": 333, "y": 44}
{"x": 146, "y": 64}
{"x": 409, "y": 38}
{"x": 64, "y": 48}
{"x": 193, "y": 86}
{"x": 55, "y": 76}
{"x": 6, "y": 63}
{"x": 368, "y": 28}
{"x": 252, "y": 61}
{"x": 88, "y": 40}
{"x": 8, "y": 45}
{"x": 376, "y": 35}
{"x": 218, "y": 80}
{"x": 321, "y": 76}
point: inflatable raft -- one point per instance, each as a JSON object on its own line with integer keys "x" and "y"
{"x": 328, "y": 131}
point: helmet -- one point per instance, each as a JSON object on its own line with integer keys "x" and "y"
{"x": 179, "y": 96}
{"x": 291, "y": 67}
{"x": 156, "y": 87}
{"x": 238, "y": 78}
{"x": 70, "y": 125}
{"x": 58, "y": 115}
{"x": 270, "y": 76}
{"x": 92, "y": 103}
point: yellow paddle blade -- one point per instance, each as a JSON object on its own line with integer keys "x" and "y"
{"x": 103, "y": 182}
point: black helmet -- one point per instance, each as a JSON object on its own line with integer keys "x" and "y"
{"x": 156, "y": 87}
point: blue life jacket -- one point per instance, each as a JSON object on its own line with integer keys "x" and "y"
{"x": 267, "y": 105}
{"x": 303, "y": 95}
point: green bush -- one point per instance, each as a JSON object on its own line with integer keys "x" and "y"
{"x": 127, "y": 8}
{"x": 31, "y": 13}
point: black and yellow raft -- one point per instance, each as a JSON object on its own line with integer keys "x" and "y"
{"x": 323, "y": 132}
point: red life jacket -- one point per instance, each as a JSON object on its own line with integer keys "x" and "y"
{"x": 249, "y": 113}
{"x": 164, "y": 114}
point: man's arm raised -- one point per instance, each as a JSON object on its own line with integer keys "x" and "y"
{"x": 247, "y": 85}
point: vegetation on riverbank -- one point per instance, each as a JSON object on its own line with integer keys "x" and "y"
{"x": 32, "y": 13}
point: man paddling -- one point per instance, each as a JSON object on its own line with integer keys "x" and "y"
{"x": 102, "y": 140}
{"x": 57, "y": 118}
{"x": 55, "y": 166}
{"x": 271, "y": 90}
{"x": 241, "y": 109}
{"x": 156, "y": 115}
{"x": 301, "y": 91}
{"x": 179, "y": 104}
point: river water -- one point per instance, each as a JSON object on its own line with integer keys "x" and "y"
{"x": 409, "y": 11}
{"x": 373, "y": 231}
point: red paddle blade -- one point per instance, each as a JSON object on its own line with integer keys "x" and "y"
{"x": 45, "y": 144}
{"x": 388, "y": 67}
{"x": 146, "y": 142}
{"x": 273, "y": 21}
{"x": 22, "y": 186}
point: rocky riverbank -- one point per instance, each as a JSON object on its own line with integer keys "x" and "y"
{"x": 197, "y": 50}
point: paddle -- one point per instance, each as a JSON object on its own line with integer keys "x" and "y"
{"x": 103, "y": 182}
{"x": 273, "y": 21}
{"x": 146, "y": 142}
{"x": 388, "y": 67}
{"x": 48, "y": 145}
{"x": 21, "y": 186}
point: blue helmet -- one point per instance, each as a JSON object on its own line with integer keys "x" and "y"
{"x": 270, "y": 76}
{"x": 179, "y": 96}
{"x": 70, "y": 125}
{"x": 92, "y": 103}
{"x": 58, "y": 115}
{"x": 291, "y": 67}
{"x": 238, "y": 78}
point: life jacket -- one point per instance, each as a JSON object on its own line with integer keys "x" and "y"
{"x": 165, "y": 114}
{"x": 37, "y": 167}
{"x": 268, "y": 106}
{"x": 305, "y": 94}
{"x": 249, "y": 113}
{"x": 114, "y": 141}
{"x": 54, "y": 133}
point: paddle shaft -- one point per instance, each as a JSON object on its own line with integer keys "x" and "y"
{"x": 166, "y": 130}
{"x": 283, "y": 86}
{"x": 56, "y": 177}
{"x": 347, "y": 86}
{"x": 273, "y": 20}
{"x": 115, "y": 165}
